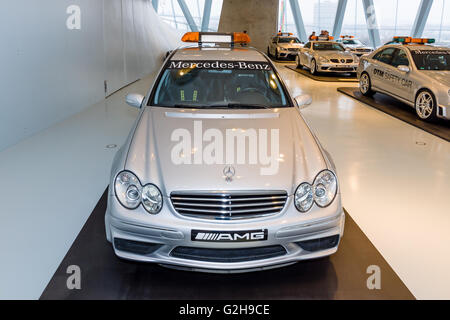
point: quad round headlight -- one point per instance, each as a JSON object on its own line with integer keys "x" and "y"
{"x": 131, "y": 194}
{"x": 128, "y": 189}
{"x": 152, "y": 198}
{"x": 322, "y": 192}
{"x": 304, "y": 197}
{"x": 324, "y": 188}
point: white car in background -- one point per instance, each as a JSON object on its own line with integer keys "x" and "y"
{"x": 284, "y": 46}
{"x": 355, "y": 46}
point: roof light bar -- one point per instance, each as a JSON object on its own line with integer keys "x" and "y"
{"x": 406, "y": 40}
{"x": 286, "y": 34}
{"x": 216, "y": 37}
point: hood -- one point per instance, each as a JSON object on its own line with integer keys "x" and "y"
{"x": 335, "y": 55}
{"x": 443, "y": 77}
{"x": 165, "y": 137}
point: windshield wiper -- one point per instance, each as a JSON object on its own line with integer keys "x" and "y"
{"x": 241, "y": 106}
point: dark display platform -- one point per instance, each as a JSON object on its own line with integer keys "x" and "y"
{"x": 329, "y": 77}
{"x": 401, "y": 111}
{"x": 104, "y": 276}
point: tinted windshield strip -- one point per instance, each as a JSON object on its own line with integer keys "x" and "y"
{"x": 220, "y": 65}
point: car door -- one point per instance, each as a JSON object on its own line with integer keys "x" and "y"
{"x": 402, "y": 84}
{"x": 305, "y": 53}
{"x": 381, "y": 68}
{"x": 273, "y": 46}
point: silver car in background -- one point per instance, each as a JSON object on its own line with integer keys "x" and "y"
{"x": 284, "y": 46}
{"x": 326, "y": 56}
{"x": 416, "y": 74}
{"x": 174, "y": 202}
{"x": 354, "y": 46}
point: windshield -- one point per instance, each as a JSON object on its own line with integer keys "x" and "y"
{"x": 431, "y": 59}
{"x": 352, "y": 42}
{"x": 288, "y": 40}
{"x": 326, "y": 46}
{"x": 219, "y": 84}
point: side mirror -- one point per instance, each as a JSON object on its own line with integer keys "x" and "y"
{"x": 134, "y": 100}
{"x": 403, "y": 68}
{"x": 303, "y": 100}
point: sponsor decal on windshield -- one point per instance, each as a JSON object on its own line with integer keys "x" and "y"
{"x": 424, "y": 52}
{"x": 220, "y": 65}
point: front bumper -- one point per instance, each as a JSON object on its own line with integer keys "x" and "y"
{"x": 175, "y": 232}
{"x": 443, "y": 112}
{"x": 288, "y": 54}
{"x": 337, "y": 67}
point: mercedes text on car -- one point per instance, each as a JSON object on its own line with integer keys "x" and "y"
{"x": 415, "y": 73}
{"x": 220, "y": 172}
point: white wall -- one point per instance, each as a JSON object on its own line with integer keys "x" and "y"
{"x": 50, "y": 72}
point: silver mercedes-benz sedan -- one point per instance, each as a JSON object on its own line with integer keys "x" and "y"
{"x": 220, "y": 172}
{"x": 284, "y": 45}
{"x": 326, "y": 56}
{"x": 415, "y": 73}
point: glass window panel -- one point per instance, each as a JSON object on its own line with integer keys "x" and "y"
{"x": 355, "y": 21}
{"x": 170, "y": 12}
{"x": 395, "y": 18}
{"x": 438, "y": 23}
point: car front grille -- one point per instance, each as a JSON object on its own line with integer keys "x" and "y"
{"x": 293, "y": 49}
{"x": 228, "y": 205}
{"x": 341, "y": 60}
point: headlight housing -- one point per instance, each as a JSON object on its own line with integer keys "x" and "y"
{"x": 152, "y": 199}
{"x": 304, "y": 197}
{"x": 322, "y": 191}
{"x": 324, "y": 188}
{"x": 323, "y": 59}
{"x": 130, "y": 193}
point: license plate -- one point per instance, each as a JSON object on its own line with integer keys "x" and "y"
{"x": 229, "y": 236}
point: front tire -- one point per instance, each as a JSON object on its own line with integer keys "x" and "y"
{"x": 277, "y": 57}
{"x": 425, "y": 105}
{"x": 268, "y": 52}
{"x": 365, "y": 85}
{"x": 313, "y": 67}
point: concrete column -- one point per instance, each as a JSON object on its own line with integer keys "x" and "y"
{"x": 258, "y": 17}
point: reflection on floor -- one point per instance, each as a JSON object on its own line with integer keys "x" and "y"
{"x": 400, "y": 110}
{"x": 327, "y": 77}
{"x": 394, "y": 179}
{"x": 104, "y": 276}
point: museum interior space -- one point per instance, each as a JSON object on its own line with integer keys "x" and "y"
{"x": 377, "y": 118}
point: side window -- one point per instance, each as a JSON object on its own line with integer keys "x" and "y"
{"x": 385, "y": 55}
{"x": 308, "y": 45}
{"x": 274, "y": 40}
{"x": 400, "y": 58}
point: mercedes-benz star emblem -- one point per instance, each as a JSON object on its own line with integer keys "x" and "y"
{"x": 342, "y": 60}
{"x": 229, "y": 173}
